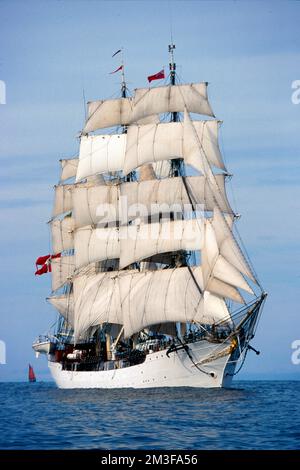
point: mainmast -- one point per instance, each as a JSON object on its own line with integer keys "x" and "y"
{"x": 131, "y": 176}
{"x": 177, "y": 167}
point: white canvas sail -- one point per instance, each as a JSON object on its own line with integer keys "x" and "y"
{"x": 196, "y": 156}
{"x": 134, "y": 243}
{"x": 147, "y": 172}
{"x": 100, "y": 154}
{"x": 68, "y": 168}
{"x": 104, "y": 204}
{"x": 95, "y": 204}
{"x": 62, "y": 199}
{"x": 96, "y": 301}
{"x": 154, "y": 143}
{"x": 130, "y": 298}
{"x": 62, "y": 269}
{"x": 216, "y": 266}
{"x": 95, "y": 245}
{"x": 62, "y": 234}
{"x": 150, "y": 143}
{"x": 173, "y": 192}
{"x": 146, "y": 240}
{"x": 223, "y": 289}
{"x": 162, "y": 169}
{"x": 110, "y": 113}
{"x": 168, "y": 99}
{"x": 228, "y": 246}
{"x": 64, "y": 304}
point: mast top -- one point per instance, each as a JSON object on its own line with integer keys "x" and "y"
{"x": 172, "y": 64}
{"x": 123, "y": 83}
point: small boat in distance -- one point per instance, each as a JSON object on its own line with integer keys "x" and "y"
{"x": 31, "y": 374}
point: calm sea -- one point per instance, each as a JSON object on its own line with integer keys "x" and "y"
{"x": 252, "y": 415}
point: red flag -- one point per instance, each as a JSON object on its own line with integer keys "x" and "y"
{"x": 117, "y": 70}
{"x": 45, "y": 262}
{"x": 41, "y": 260}
{"x": 42, "y": 270}
{"x": 157, "y": 76}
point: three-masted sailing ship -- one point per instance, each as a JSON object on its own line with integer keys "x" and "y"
{"x": 149, "y": 278}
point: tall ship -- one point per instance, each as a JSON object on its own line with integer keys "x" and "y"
{"x": 149, "y": 277}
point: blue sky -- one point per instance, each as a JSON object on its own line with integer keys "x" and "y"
{"x": 249, "y": 52}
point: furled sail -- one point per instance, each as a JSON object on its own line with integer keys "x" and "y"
{"x": 168, "y": 99}
{"x": 130, "y": 298}
{"x": 62, "y": 269}
{"x": 62, "y": 234}
{"x": 68, "y": 168}
{"x": 154, "y": 143}
{"x": 64, "y": 304}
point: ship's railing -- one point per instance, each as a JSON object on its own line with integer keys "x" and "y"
{"x": 45, "y": 339}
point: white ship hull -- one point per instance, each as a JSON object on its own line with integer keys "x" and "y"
{"x": 158, "y": 370}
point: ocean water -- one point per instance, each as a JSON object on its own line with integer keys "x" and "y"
{"x": 252, "y": 415}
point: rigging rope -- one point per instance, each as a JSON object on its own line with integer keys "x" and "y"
{"x": 187, "y": 350}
